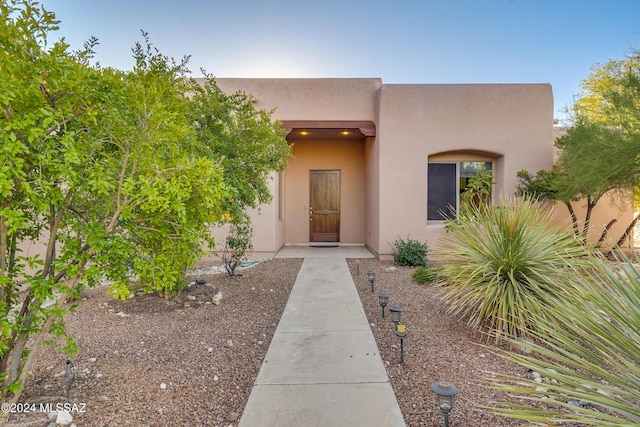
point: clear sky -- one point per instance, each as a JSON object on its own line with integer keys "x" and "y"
{"x": 400, "y": 41}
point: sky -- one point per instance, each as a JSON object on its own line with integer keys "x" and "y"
{"x": 399, "y": 41}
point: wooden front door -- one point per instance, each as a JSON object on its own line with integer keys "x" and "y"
{"x": 324, "y": 206}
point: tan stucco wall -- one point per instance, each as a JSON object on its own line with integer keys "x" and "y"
{"x": 310, "y": 99}
{"x": 372, "y": 191}
{"x": 384, "y": 177}
{"x": 346, "y": 156}
{"x": 513, "y": 123}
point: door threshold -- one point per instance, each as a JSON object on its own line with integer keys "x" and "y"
{"x": 324, "y": 245}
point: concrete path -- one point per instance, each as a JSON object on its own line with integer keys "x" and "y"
{"x": 323, "y": 367}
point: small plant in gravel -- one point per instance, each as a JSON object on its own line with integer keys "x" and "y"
{"x": 409, "y": 252}
{"x": 504, "y": 267}
{"x": 424, "y": 275}
{"x": 237, "y": 243}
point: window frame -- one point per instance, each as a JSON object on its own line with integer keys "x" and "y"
{"x": 457, "y": 180}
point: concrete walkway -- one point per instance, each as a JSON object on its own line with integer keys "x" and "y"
{"x": 323, "y": 367}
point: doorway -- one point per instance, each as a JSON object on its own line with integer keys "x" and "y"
{"x": 324, "y": 205}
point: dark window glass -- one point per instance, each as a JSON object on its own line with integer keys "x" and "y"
{"x": 441, "y": 194}
{"x": 446, "y": 181}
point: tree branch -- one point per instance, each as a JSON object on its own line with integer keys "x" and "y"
{"x": 627, "y": 232}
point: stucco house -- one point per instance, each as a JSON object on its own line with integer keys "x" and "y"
{"x": 375, "y": 162}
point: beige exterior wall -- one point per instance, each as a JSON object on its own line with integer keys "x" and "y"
{"x": 508, "y": 124}
{"x": 384, "y": 176}
{"x": 346, "y": 156}
{"x": 310, "y": 99}
{"x": 321, "y": 100}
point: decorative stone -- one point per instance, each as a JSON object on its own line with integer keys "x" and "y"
{"x": 217, "y": 298}
{"x": 64, "y": 418}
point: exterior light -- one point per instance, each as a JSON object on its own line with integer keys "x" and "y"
{"x": 357, "y": 267}
{"x": 445, "y": 392}
{"x": 396, "y": 313}
{"x": 372, "y": 278}
{"x": 383, "y": 299}
{"x": 401, "y": 332}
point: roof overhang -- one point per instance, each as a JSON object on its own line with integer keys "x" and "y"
{"x": 328, "y": 129}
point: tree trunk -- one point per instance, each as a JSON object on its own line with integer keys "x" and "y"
{"x": 605, "y": 232}
{"x": 587, "y": 221}
{"x": 574, "y": 219}
{"x": 627, "y": 232}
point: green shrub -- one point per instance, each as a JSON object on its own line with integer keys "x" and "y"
{"x": 237, "y": 243}
{"x": 586, "y": 352}
{"x": 426, "y": 275}
{"x": 77, "y": 292}
{"x": 409, "y": 252}
{"x": 504, "y": 266}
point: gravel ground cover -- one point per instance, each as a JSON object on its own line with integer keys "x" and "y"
{"x": 438, "y": 347}
{"x": 149, "y": 361}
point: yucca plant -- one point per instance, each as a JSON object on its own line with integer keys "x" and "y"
{"x": 588, "y": 356}
{"x": 505, "y": 264}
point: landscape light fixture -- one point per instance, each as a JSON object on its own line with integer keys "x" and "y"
{"x": 445, "y": 392}
{"x": 372, "y": 278}
{"x": 401, "y": 332}
{"x": 383, "y": 299}
{"x": 357, "y": 267}
{"x": 396, "y": 313}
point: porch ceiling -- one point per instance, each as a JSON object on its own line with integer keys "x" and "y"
{"x": 342, "y": 130}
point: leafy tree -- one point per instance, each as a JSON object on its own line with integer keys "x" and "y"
{"x": 110, "y": 171}
{"x": 600, "y": 151}
{"x": 250, "y": 144}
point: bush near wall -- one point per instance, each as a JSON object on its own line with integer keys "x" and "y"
{"x": 409, "y": 252}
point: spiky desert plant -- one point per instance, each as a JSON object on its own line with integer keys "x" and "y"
{"x": 588, "y": 356}
{"x": 504, "y": 264}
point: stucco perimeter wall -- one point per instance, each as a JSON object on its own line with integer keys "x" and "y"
{"x": 613, "y": 205}
{"x": 510, "y": 123}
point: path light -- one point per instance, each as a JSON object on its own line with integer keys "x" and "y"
{"x": 396, "y": 313}
{"x": 357, "y": 267}
{"x": 445, "y": 392}
{"x": 372, "y": 278}
{"x": 383, "y": 299}
{"x": 401, "y": 332}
